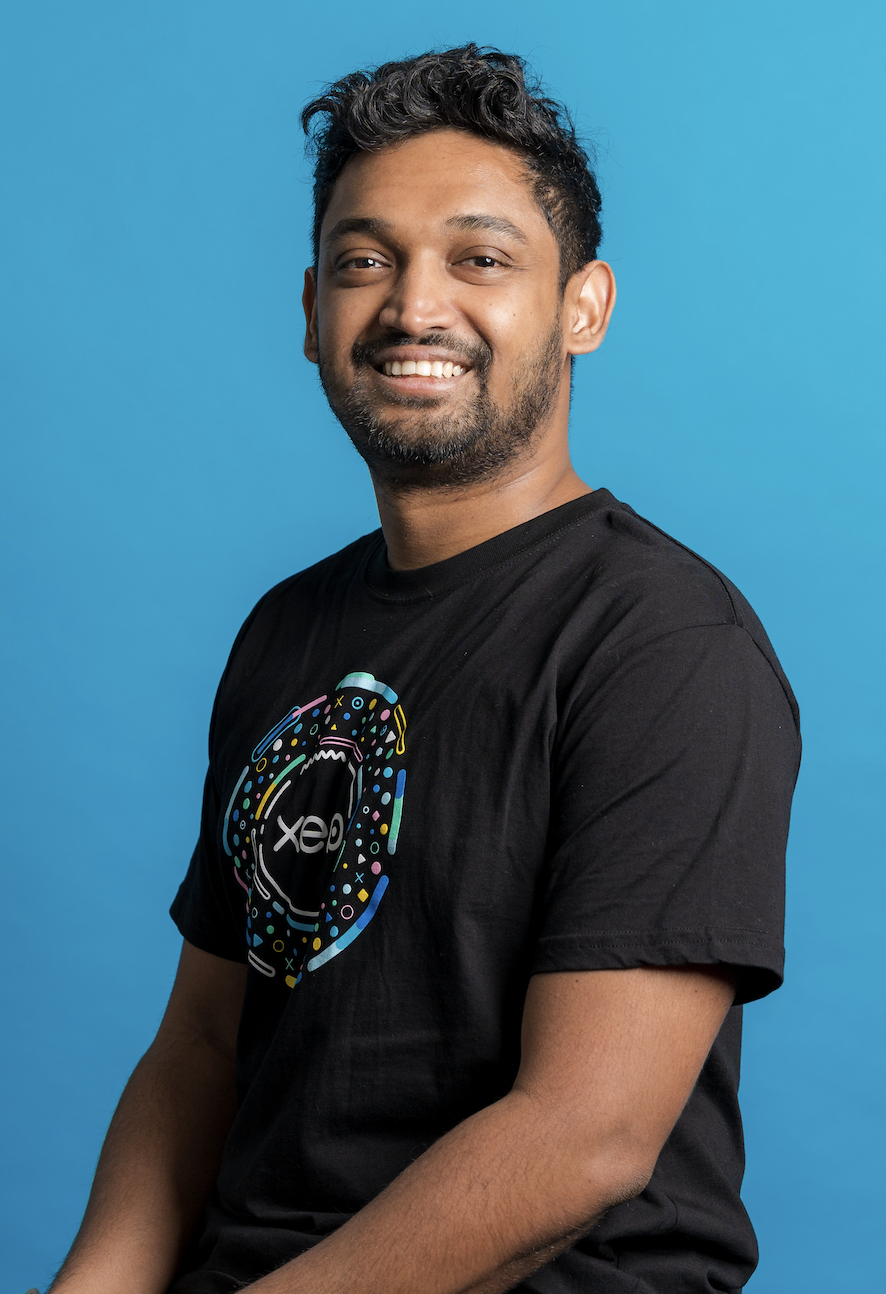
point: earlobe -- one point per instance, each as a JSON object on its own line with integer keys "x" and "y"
{"x": 589, "y": 300}
{"x": 309, "y": 301}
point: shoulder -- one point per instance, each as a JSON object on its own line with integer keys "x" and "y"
{"x": 304, "y": 591}
{"x": 641, "y": 586}
{"x": 332, "y": 572}
{"x": 643, "y": 568}
{"x": 293, "y": 603}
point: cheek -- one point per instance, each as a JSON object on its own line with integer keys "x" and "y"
{"x": 329, "y": 327}
{"x": 514, "y": 324}
{"x": 339, "y": 321}
{"x": 514, "y": 333}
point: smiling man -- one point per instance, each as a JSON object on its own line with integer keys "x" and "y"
{"x": 494, "y": 825}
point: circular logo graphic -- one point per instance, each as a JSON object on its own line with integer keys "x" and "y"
{"x": 313, "y": 822}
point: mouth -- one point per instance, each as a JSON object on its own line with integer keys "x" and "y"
{"x": 421, "y": 368}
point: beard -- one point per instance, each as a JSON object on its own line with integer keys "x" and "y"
{"x": 440, "y": 448}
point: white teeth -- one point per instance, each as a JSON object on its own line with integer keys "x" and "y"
{"x": 422, "y": 368}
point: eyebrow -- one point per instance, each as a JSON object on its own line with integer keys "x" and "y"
{"x": 358, "y": 225}
{"x": 482, "y": 221}
{"x": 475, "y": 222}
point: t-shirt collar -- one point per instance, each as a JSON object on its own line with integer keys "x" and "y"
{"x": 430, "y": 581}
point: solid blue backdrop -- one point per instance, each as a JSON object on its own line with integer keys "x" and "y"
{"x": 168, "y": 456}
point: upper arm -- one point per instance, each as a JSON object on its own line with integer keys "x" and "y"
{"x": 206, "y": 999}
{"x": 672, "y": 788}
{"x": 616, "y": 1053}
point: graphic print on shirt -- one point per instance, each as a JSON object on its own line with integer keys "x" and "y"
{"x": 313, "y": 822}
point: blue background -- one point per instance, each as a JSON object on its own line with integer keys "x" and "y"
{"x": 168, "y": 456}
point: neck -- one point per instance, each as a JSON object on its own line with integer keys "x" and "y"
{"x": 426, "y": 525}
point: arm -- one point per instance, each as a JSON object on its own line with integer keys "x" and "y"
{"x": 163, "y": 1148}
{"x": 609, "y": 1060}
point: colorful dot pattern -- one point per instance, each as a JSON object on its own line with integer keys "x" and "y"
{"x": 357, "y": 730}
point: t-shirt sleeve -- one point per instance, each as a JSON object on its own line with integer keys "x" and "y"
{"x": 673, "y": 775}
{"x": 209, "y": 906}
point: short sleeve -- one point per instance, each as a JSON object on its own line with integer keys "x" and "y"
{"x": 209, "y": 908}
{"x": 673, "y": 775}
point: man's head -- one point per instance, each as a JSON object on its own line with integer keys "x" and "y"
{"x": 480, "y": 91}
{"x": 456, "y": 226}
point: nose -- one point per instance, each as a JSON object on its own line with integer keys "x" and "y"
{"x": 420, "y": 299}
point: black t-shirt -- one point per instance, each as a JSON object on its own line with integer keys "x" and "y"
{"x": 569, "y": 748}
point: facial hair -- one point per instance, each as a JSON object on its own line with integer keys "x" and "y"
{"x": 445, "y": 449}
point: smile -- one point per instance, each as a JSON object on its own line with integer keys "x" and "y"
{"x": 422, "y": 368}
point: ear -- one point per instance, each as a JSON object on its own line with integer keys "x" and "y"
{"x": 309, "y": 301}
{"x": 587, "y": 307}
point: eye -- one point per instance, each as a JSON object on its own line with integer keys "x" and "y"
{"x": 361, "y": 263}
{"x": 482, "y": 262}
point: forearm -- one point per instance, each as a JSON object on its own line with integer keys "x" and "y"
{"x": 493, "y": 1200}
{"x": 609, "y": 1060}
{"x": 157, "y": 1165}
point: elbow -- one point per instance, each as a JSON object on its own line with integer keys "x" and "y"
{"x": 618, "y": 1174}
{"x": 626, "y": 1179}
{"x": 604, "y": 1175}
{"x": 588, "y": 1161}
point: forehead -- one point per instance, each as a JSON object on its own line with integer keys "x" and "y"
{"x": 418, "y": 186}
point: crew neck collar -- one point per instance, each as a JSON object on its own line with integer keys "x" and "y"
{"x": 430, "y": 581}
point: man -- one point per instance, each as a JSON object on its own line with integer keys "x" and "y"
{"x": 495, "y": 817}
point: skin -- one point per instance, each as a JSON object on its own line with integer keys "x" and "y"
{"x": 609, "y": 1058}
{"x": 426, "y": 276}
{"x": 163, "y": 1148}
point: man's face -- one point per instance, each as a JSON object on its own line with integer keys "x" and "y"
{"x": 437, "y": 316}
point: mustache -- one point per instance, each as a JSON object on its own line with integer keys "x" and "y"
{"x": 478, "y": 354}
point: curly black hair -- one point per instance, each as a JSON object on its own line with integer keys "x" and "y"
{"x": 480, "y": 90}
